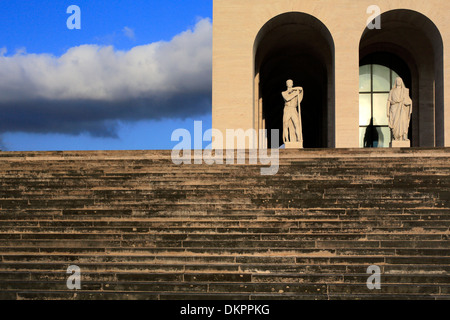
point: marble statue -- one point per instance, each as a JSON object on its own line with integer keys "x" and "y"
{"x": 292, "y": 122}
{"x": 399, "y": 110}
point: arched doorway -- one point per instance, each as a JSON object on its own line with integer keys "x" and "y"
{"x": 411, "y": 45}
{"x": 299, "y": 47}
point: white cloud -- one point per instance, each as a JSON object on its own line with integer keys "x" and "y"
{"x": 129, "y": 33}
{"x": 92, "y": 72}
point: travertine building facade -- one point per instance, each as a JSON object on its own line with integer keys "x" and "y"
{"x": 345, "y": 68}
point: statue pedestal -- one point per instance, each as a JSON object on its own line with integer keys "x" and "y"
{"x": 400, "y": 144}
{"x": 293, "y": 145}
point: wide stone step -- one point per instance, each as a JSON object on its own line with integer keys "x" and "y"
{"x": 222, "y": 267}
{"x": 180, "y": 258}
{"x": 237, "y": 192}
{"x": 204, "y": 179}
{"x": 17, "y": 251}
{"x": 262, "y": 230}
{"x": 57, "y": 278}
{"x": 117, "y": 295}
{"x": 371, "y": 171}
{"x": 192, "y": 240}
{"x": 224, "y": 288}
{"x": 321, "y": 244}
{"x": 196, "y": 218}
{"x": 43, "y": 172}
{"x": 216, "y": 239}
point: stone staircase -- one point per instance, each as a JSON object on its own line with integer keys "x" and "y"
{"x": 140, "y": 227}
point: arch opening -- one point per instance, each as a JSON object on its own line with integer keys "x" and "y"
{"x": 299, "y": 47}
{"x": 410, "y": 44}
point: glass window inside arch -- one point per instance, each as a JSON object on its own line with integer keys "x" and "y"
{"x": 375, "y": 83}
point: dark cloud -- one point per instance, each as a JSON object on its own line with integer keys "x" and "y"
{"x": 98, "y": 118}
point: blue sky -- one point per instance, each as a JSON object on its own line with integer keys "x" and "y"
{"x": 136, "y": 71}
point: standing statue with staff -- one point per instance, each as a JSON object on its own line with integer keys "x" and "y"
{"x": 399, "y": 110}
{"x": 292, "y": 122}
